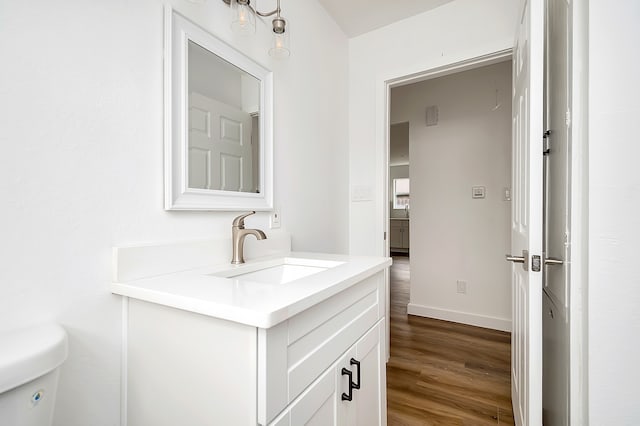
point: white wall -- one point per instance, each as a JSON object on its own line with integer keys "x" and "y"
{"x": 81, "y": 166}
{"x": 451, "y": 33}
{"x": 453, "y": 236}
{"x": 614, "y": 218}
{"x": 204, "y": 64}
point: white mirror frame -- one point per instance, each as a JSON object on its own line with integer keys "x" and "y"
{"x": 178, "y": 196}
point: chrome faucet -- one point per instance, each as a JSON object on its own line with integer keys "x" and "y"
{"x": 238, "y": 234}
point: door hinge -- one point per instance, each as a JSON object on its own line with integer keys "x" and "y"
{"x": 385, "y": 236}
{"x": 546, "y": 148}
{"x": 567, "y": 118}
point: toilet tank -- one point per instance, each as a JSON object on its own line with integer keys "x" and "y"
{"x": 29, "y": 361}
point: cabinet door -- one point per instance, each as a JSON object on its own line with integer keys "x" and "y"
{"x": 405, "y": 236}
{"x": 371, "y": 402}
{"x": 368, "y": 406}
{"x": 316, "y": 406}
{"x": 395, "y": 234}
{"x": 326, "y": 401}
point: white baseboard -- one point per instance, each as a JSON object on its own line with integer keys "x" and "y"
{"x": 461, "y": 317}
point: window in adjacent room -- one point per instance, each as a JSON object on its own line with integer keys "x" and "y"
{"x": 401, "y": 193}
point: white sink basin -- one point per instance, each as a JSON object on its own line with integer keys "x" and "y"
{"x": 278, "y": 271}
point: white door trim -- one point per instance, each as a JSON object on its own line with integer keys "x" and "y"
{"x": 578, "y": 206}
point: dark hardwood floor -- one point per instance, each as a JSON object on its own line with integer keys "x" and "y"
{"x": 444, "y": 373}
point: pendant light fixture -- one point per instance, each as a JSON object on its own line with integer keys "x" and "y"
{"x": 243, "y": 17}
{"x": 243, "y": 22}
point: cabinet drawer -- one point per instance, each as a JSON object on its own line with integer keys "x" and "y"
{"x": 300, "y": 349}
{"x": 397, "y": 224}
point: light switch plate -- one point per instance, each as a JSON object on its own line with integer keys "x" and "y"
{"x": 506, "y": 194}
{"x": 361, "y": 193}
{"x": 478, "y": 192}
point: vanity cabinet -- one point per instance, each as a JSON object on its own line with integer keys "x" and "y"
{"x": 187, "y": 368}
{"x": 399, "y": 235}
{"x": 347, "y": 393}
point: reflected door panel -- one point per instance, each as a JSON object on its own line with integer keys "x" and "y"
{"x": 220, "y": 151}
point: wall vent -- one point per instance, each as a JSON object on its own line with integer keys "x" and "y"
{"x": 432, "y": 115}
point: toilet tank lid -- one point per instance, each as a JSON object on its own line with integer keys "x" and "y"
{"x": 29, "y": 353}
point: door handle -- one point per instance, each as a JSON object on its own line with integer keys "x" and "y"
{"x": 357, "y": 364}
{"x": 552, "y": 261}
{"x": 515, "y": 259}
{"x": 349, "y": 396}
{"x": 524, "y": 259}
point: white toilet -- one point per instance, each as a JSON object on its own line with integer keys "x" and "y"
{"x": 29, "y": 361}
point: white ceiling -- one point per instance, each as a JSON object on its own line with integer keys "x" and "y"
{"x": 357, "y": 17}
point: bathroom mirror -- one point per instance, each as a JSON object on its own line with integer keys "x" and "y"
{"x": 218, "y": 123}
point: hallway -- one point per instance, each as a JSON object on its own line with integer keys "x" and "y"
{"x": 443, "y": 373}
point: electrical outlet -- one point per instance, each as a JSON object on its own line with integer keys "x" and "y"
{"x": 274, "y": 219}
{"x": 462, "y": 287}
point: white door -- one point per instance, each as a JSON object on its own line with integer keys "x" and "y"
{"x": 219, "y": 146}
{"x": 526, "y": 216}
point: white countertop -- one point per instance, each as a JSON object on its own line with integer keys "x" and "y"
{"x": 251, "y": 303}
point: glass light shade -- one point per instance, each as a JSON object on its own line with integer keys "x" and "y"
{"x": 280, "y": 48}
{"x": 243, "y": 17}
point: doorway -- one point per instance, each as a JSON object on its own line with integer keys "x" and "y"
{"x": 458, "y": 175}
{"x": 458, "y": 126}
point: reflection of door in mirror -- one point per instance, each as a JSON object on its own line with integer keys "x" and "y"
{"x": 219, "y": 146}
{"x": 223, "y": 123}
{"x": 255, "y": 150}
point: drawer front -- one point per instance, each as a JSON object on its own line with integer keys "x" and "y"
{"x": 397, "y": 224}
{"x": 318, "y": 336}
{"x": 318, "y": 352}
{"x": 300, "y": 349}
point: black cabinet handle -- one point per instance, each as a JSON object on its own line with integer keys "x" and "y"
{"x": 357, "y": 364}
{"x": 349, "y": 396}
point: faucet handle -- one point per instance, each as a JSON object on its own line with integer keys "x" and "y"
{"x": 239, "y": 221}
